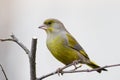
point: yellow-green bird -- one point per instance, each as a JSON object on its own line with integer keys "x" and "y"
{"x": 63, "y": 45}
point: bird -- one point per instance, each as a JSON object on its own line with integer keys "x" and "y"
{"x": 63, "y": 46}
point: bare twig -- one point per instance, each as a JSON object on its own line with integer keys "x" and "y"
{"x": 75, "y": 71}
{"x": 91, "y": 70}
{"x": 14, "y": 39}
{"x": 56, "y": 72}
{"x": 4, "y": 72}
{"x": 32, "y": 58}
{"x": 31, "y": 54}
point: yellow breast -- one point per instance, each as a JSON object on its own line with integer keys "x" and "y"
{"x": 61, "y": 51}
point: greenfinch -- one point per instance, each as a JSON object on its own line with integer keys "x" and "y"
{"x": 63, "y": 45}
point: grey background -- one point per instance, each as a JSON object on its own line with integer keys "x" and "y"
{"x": 94, "y": 23}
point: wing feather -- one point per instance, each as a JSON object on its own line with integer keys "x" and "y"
{"x": 72, "y": 43}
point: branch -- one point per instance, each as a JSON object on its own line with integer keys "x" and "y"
{"x": 60, "y": 70}
{"x": 75, "y": 71}
{"x": 4, "y": 72}
{"x": 31, "y": 54}
{"x": 91, "y": 70}
{"x": 14, "y": 39}
{"x": 32, "y": 58}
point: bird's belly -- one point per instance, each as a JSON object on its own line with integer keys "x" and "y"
{"x": 63, "y": 53}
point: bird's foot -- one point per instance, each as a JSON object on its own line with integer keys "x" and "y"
{"x": 75, "y": 65}
{"x": 59, "y": 71}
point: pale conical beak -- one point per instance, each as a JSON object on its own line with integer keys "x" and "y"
{"x": 43, "y": 27}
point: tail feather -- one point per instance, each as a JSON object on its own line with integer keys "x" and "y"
{"x": 93, "y": 65}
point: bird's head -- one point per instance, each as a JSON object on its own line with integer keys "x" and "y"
{"x": 52, "y": 26}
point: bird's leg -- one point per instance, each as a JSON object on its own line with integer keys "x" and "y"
{"x": 75, "y": 65}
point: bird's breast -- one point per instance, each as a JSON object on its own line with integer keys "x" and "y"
{"x": 55, "y": 44}
{"x": 61, "y": 51}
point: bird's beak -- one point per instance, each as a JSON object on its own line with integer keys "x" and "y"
{"x": 43, "y": 27}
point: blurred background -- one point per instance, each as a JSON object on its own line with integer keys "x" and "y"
{"x": 94, "y": 23}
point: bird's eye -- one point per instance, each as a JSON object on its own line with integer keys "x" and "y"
{"x": 49, "y": 23}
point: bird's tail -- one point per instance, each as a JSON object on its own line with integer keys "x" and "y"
{"x": 93, "y": 65}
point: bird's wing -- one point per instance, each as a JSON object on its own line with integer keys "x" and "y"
{"x": 72, "y": 43}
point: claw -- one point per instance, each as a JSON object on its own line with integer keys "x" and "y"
{"x": 75, "y": 63}
{"x": 59, "y": 71}
{"x": 80, "y": 65}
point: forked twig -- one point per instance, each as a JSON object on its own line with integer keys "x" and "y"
{"x": 31, "y": 54}
{"x": 32, "y": 57}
